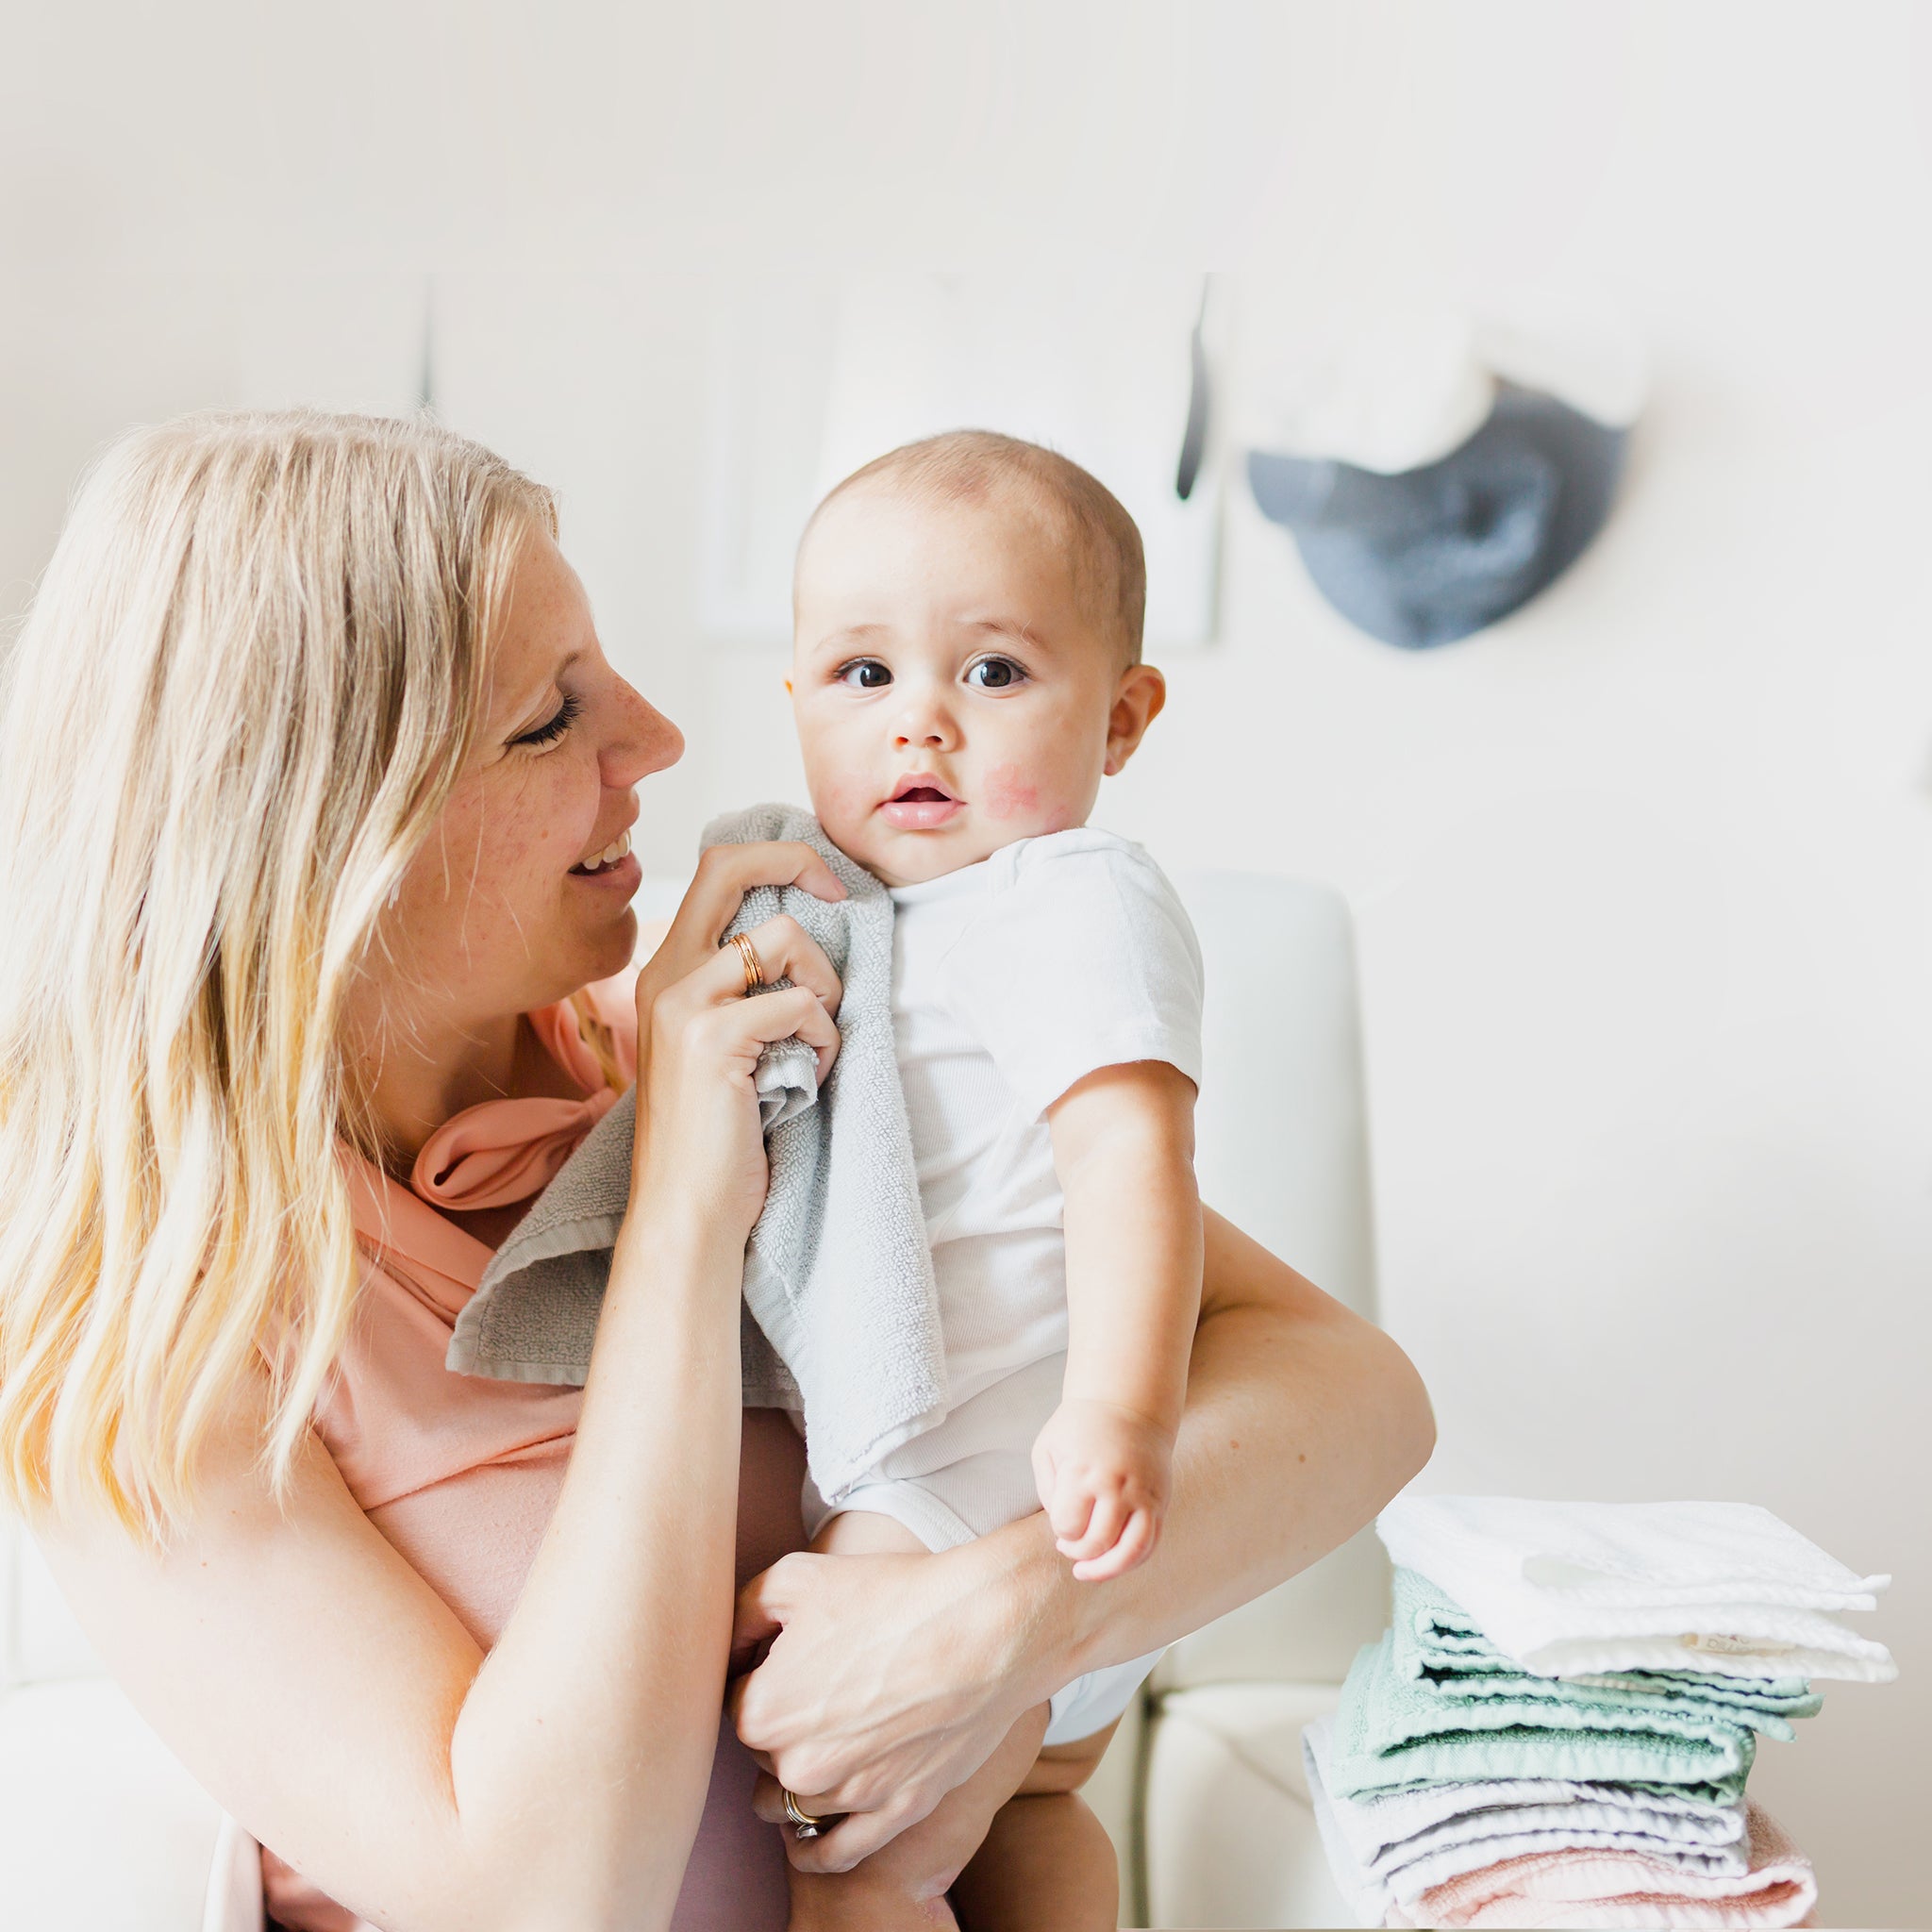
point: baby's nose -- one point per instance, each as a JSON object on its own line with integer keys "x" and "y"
{"x": 924, "y": 724}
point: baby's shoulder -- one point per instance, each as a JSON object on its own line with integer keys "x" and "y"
{"x": 1085, "y": 852}
{"x": 1082, "y": 889}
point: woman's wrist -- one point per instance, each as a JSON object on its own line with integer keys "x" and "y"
{"x": 1040, "y": 1622}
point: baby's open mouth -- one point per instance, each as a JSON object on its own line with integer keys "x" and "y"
{"x": 921, "y": 803}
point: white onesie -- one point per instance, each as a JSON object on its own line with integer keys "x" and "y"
{"x": 1012, "y": 981}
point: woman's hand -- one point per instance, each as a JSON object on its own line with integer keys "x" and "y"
{"x": 891, "y": 1679}
{"x": 889, "y": 1682}
{"x": 699, "y": 1038}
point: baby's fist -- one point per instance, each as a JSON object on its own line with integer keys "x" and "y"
{"x": 1102, "y": 1472}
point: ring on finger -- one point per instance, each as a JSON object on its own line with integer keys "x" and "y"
{"x": 804, "y": 1825}
{"x": 748, "y": 958}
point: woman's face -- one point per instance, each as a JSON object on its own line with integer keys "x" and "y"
{"x": 506, "y": 907}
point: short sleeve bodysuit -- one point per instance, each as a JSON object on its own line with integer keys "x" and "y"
{"x": 1012, "y": 979}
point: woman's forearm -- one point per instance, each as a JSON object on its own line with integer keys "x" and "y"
{"x": 593, "y": 1721}
{"x": 1301, "y": 1421}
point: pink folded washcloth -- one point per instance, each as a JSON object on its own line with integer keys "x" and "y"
{"x": 1563, "y": 1889}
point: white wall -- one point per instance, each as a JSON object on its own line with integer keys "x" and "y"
{"x": 1643, "y": 876}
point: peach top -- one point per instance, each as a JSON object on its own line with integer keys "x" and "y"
{"x": 461, "y": 1473}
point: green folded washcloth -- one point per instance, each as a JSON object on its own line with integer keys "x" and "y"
{"x": 1392, "y": 1729}
{"x": 1437, "y": 1641}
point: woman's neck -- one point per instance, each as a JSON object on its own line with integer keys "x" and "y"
{"x": 431, "y": 1073}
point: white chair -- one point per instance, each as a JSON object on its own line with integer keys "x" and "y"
{"x": 100, "y": 1828}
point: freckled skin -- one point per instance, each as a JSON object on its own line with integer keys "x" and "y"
{"x": 489, "y": 905}
{"x": 931, "y": 592}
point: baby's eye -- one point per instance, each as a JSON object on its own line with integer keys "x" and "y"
{"x": 864, "y": 674}
{"x": 994, "y": 674}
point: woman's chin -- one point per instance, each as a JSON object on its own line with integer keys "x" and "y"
{"x": 604, "y": 948}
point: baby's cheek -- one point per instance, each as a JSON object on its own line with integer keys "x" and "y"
{"x": 1010, "y": 793}
{"x": 841, "y": 803}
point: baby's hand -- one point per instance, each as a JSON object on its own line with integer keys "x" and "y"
{"x": 1102, "y": 1471}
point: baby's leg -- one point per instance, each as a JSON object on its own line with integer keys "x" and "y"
{"x": 903, "y": 1886}
{"x": 1047, "y": 1861}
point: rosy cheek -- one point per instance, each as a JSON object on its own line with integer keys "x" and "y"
{"x": 1009, "y": 794}
{"x": 839, "y": 801}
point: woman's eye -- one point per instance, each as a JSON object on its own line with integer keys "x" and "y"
{"x": 994, "y": 674}
{"x": 556, "y": 724}
{"x": 864, "y": 674}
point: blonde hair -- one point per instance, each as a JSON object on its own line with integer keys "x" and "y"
{"x": 245, "y": 686}
{"x": 1103, "y": 541}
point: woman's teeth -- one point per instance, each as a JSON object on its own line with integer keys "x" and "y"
{"x": 618, "y": 848}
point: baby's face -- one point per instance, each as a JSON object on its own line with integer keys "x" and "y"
{"x": 952, "y": 695}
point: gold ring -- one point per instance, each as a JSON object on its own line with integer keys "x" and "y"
{"x": 748, "y": 957}
{"x": 804, "y": 1825}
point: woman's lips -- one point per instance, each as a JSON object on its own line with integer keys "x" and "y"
{"x": 625, "y": 876}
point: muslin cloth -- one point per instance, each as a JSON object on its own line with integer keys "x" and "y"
{"x": 1399, "y": 1845}
{"x": 1392, "y": 1729}
{"x": 841, "y": 1317}
{"x": 1574, "y": 1589}
{"x": 1437, "y": 1641}
{"x": 1555, "y": 1889}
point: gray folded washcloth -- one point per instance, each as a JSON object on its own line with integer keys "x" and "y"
{"x": 841, "y": 1314}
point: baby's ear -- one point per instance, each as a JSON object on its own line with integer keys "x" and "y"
{"x": 1138, "y": 700}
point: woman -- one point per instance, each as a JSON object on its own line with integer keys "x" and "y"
{"x": 313, "y": 786}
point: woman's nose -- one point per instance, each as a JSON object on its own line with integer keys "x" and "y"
{"x": 648, "y": 741}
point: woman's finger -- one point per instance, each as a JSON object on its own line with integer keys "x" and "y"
{"x": 854, "y": 1838}
{"x": 749, "y": 1026}
{"x": 786, "y": 951}
{"x": 726, "y": 872}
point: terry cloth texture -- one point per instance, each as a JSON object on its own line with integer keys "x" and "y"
{"x": 1556, "y": 1889}
{"x": 1393, "y": 1730}
{"x": 1570, "y": 1590}
{"x": 1438, "y": 1641}
{"x": 846, "y": 1332}
{"x": 1399, "y": 1846}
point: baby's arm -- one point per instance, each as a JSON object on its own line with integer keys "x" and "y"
{"x": 1123, "y": 1148}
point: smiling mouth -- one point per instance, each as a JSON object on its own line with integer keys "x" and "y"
{"x": 612, "y": 855}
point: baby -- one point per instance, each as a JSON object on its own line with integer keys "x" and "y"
{"x": 966, "y": 668}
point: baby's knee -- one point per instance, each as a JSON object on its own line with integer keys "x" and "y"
{"x": 1061, "y": 1768}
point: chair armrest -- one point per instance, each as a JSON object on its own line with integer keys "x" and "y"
{"x": 100, "y": 1826}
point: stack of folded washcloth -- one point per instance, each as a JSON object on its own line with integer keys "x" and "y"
{"x": 1558, "y": 1727}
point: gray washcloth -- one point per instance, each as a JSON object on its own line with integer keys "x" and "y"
{"x": 841, "y": 1313}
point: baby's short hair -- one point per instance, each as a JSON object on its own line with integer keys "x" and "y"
{"x": 968, "y": 465}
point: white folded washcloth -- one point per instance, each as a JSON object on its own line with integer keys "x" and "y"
{"x": 1569, "y": 1589}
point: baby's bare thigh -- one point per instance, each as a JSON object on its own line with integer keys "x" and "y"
{"x": 865, "y": 1533}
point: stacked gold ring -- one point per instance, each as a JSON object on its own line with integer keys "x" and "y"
{"x": 803, "y": 1824}
{"x": 748, "y": 956}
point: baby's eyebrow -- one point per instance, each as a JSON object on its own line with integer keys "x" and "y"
{"x": 850, "y": 634}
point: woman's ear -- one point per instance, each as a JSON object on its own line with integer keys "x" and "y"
{"x": 1138, "y": 700}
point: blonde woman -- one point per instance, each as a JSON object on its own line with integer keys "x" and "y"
{"x": 315, "y": 787}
